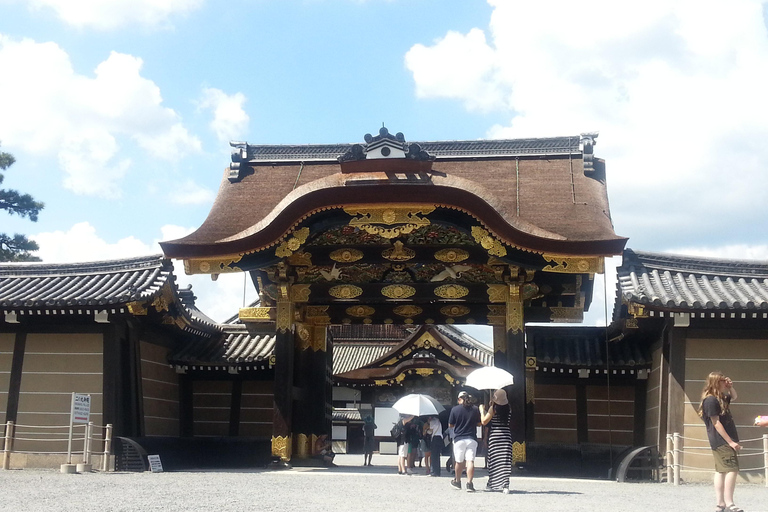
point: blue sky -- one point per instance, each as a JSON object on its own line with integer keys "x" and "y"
{"x": 119, "y": 112}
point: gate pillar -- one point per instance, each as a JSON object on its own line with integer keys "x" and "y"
{"x": 509, "y": 354}
{"x": 312, "y": 410}
{"x": 284, "y": 372}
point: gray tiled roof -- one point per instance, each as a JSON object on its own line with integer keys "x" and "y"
{"x": 82, "y": 284}
{"x": 347, "y": 414}
{"x": 235, "y": 346}
{"x": 351, "y": 356}
{"x": 475, "y": 348}
{"x": 586, "y": 347}
{"x": 688, "y": 283}
{"x": 439, "y": 149}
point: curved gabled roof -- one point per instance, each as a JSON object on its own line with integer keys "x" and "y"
{"x": 686, "y": 283}
{"x": 544, "y": 195}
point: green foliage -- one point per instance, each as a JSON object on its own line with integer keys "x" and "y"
{"x": 17, "y": 247}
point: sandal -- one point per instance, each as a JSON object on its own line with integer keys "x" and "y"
{"x": 732, "y": 508}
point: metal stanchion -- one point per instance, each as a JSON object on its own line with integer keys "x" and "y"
{"x": 107, "y": 448}
{"x": 676, "y": 456}
{"x": 670, "y": 462}
{"x": 8, "y": 445}
{"x": 765, "y": 458}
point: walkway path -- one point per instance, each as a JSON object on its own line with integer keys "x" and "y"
{"x": 348, "y": 487}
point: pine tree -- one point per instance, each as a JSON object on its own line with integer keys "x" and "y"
{"x": 17, "y": 247}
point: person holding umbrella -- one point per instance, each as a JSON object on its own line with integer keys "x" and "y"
{"x": 464, "y": 420}
{"x": 499, "y": 441}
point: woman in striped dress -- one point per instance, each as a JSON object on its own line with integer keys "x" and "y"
{"x": 499, "y": 442}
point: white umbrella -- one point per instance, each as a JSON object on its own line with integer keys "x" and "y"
{"x": 417, "y": 405}
{"x": 490, "y": 377}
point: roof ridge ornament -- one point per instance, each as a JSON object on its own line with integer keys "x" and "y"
{"x": 587, "y": 142}
{"x": 385, "y": 145}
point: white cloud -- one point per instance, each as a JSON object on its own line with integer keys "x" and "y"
{"x": 676, "y": 88}
{"x": 218, "y": 299}
{"x": 50, "y": 109}
{"x": 230, "y": 120}
{"x": 727, "y": 252}
{"x": 81, "y": 243}
{"x": 190, "y": 193}
{"x": 110, "y": 14}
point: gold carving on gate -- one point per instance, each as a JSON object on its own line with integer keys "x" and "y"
{"x": 425, "y": 372}
{"x": 518, "y": 452}
{"x": 566, "y": 315}
{"x": 530, "y": 397}
{"x": 303, "y": 338}
{"x": 257, "y": 314}
{"x": 281, "y": 447}
{"x": 407, "y": 311}
{"x": 398, "y": 252}
{"x": 498, "y": 292}
{"x": 291, "y": 245}
{"x": 451, "y": 255}
{"x": 360, "y": 311}
{"x": 137, "y": 308}
{"x": 497, "y": 315}
{"x": 488, "y": 242}
{"x": 345, "y": 291}
{"x": 317, "y": 315}
{"x": 454, "y": 310}
{"x": 451, "y": 291}
{"x": 221, "y": 265}
{"x": 300, "y": 259}
{"x": 303, "y": 446}
{"x": 573, "y": 264}
{"x": 346, "y": 255}
{"x": 398, "y": 291}
{"x": 300, "y": 292}
{"x": 404, "y": 218}
{"x": 530, "y": 363}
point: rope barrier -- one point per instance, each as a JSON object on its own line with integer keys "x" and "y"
{"x": 11, "y": 434}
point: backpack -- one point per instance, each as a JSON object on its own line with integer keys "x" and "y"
{"x": 397, "y": 430}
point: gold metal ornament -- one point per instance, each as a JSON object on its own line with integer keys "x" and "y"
{"x": 425, "y": 372}
{"x": 530, "y": 363}
{"x": 345, "y": 291}
{"x": 398, "y": 252}
{"x": 451, "y": 291}
{"x": 573, "y": 264}
{"x": 300, "y": 259}
{"x": 360, "y": 311}
{"x": 137, "y": 308}
{"x": 530, "y": 397}
{"x": 317, "y": 315}
{"x": 498, "y": 292}
{"x": 488, "y": 242}
{"x": 407, "y": 311}
{"x": 346, "y": 255}
{"x": 221, "y": 265}
{"x": 281, "y": 447}
{"x": 292, "y": 244}
{"x": 398, "y": 291}
{"x": 303, "y": 446}
{"x": 372, "y": 217}
{"x": 566, "y": 315}
{"x": 454, "y": 310}
{"x": 518, "y": 452}
{"x": 497, "y": 315}
{"x": 451, "y": 255}
{"x": 300, "y": 292}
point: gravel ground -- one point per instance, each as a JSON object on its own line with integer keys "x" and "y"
{"x": 348, "y": 487}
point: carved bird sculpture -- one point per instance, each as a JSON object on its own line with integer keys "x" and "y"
{"x": 453, "y": 272}
{"x": 334, "y": 274}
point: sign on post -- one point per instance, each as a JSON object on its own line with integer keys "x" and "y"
{"x": 81, "y": 408}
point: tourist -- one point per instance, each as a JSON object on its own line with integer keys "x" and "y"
{"x": 369, "y": 429}
{"x": 715, "y": 410}
{"x": 464, "y": 420}
{"x": 499, "y": 457}
{"x": 412, "y": 439}
{"x": 398, "y": 433}
{"x": 436, "y": 444}
{"x": 322, "y": 451}
{"x": 425, "y": 447}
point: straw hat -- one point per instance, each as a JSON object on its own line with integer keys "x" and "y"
{"x": 500, "y": 397}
